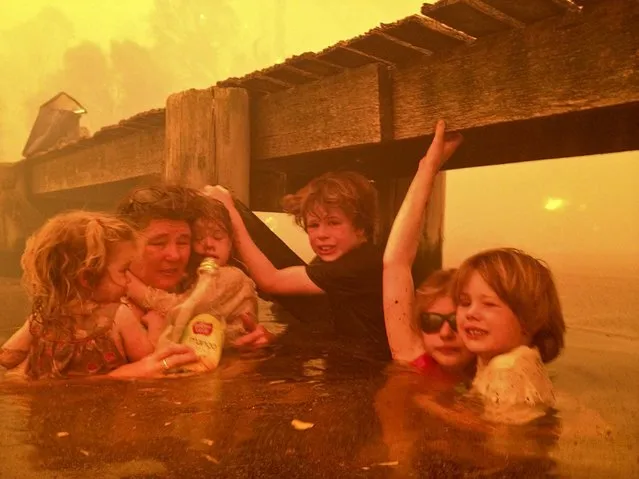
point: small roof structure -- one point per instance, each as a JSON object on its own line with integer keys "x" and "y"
{"x": 58, "y": 122}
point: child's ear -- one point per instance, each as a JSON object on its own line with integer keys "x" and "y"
{"x": 87, "y": 279}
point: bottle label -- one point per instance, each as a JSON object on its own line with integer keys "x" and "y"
{"x": 205, "y": 334}
{"x": 202, "y": 328}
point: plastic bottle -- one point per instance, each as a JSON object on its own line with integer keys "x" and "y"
{"x": 196, "y": 323}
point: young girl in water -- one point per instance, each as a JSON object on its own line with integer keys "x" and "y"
{"x": 509, "y": 315}
{"x": 234, "y": 298}
{"x": 338, "y": 211}
{"x": 421, "y": 325}
{"x": 75, "y": 274}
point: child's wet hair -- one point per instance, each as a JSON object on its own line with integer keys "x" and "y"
{"x": 69, "y": 248}
{"x": 215, "y": 211}
{"x": 163, "y": 202}
{"x": 527, "y": 286}
{"x": 349, "y": 191}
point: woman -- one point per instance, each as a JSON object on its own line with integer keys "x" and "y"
{"x": 421, "y": 325}
{"x": 164, "y": 215}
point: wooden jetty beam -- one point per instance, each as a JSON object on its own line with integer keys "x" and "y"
{"x": 578, "y": 62}
{"x": 133, "y": 155}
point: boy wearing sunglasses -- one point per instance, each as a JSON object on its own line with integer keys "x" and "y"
{"x": 420, "y": 325}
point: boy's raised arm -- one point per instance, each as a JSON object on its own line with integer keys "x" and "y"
{"x": 291, "y": 280}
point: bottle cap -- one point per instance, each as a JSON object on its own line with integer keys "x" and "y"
{"x": 208, "y": 265}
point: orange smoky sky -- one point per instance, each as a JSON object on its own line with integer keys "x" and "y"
{"x": 121, "y": 58}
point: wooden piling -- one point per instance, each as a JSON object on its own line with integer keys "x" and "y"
{"x": 207, "y": 139}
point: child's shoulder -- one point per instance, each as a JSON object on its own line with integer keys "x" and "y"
{"x": 520, "y": 357}
{"x": 233, "y": 274}
{"x": 232, "y": 282}
{"x": 516, "y": 377}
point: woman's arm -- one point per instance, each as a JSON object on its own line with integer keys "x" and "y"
{"x": 399, "y": 291}
{"x": 291, "y": 280}
{"x": 16, "y": 348}
{"x": 156, "y": 364}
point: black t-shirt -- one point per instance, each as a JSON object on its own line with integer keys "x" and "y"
{"x": 353, "y": 285}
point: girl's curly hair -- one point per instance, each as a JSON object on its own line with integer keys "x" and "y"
{"x": 69, "y": 248}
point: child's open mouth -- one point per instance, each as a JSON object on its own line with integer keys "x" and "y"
{"x": 474, "y": 333}
{"x": 325, "y": 249}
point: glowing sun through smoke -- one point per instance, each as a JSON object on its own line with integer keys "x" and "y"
{"x": 554, "y": 204}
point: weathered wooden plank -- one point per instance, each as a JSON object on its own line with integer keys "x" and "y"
{"x": 262, "y": 83}
{"x": 427, "y": 33}
{"x": 473, "y": 17}
{"x": 386, "y": 48}
{"x": 344, "y": 57}
{"x": 309, "y": 63}
{"x": 422, "y": 51}
{"x": 343, "y": 110}
{"x": 130, "y": 156}
{"x": 531, "y": 11}
{"x": 582, "y": 133}
{"x": 293, "y": 75}
{"x": 564, "y": 64}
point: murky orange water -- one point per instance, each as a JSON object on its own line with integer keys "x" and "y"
{"x": 361, "y": 418}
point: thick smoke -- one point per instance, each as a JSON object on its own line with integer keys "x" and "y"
{"x": 186, "y": 44}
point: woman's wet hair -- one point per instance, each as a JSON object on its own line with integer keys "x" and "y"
{"x": 527, "y": 286}
{"x": 437, "y": 285}
{"x": 66, "y": 258}
{"x": 349, "y": 191}
{"x": 163, "y": 202}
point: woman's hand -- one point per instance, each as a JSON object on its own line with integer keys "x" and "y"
{"x": 165, "y": 358}
{"x": 442, "y": 147}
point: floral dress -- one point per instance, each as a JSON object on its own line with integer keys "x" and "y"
{"x": 83, "y": 353}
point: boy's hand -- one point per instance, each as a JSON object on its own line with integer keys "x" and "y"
{"x": 442, "y": 147}
{"x": 221, "y": 194}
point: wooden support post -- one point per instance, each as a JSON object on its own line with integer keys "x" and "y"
{"x": 18, "y": 217}
{"x": 207, "y": 139}
{"x": 430, "y": 252}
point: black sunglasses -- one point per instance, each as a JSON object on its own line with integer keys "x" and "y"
{"x": 432, "y": 322}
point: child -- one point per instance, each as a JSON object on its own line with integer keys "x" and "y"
{"x": 339, "y": 213}
{"x": 421, "y": 324}
{"x": 75, "y": 273}
{"x": 234, "y": 298}
{"x": 509, "y": 315}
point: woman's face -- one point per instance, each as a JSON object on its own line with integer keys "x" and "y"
{"x": 444, "y": 345}
{"x": 166, "y": 246}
